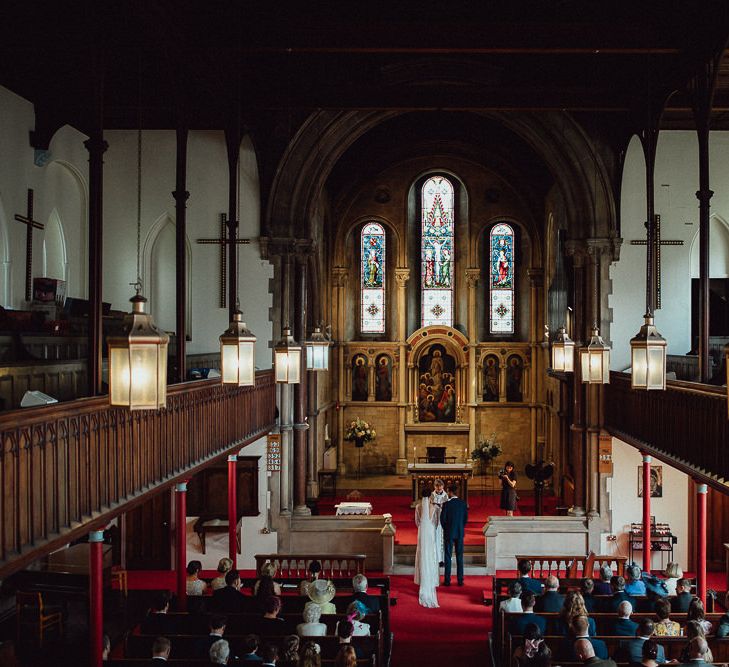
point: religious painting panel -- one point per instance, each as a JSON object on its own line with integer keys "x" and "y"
{"x": 372, "y": 278}
{"x": 437, "y": 386}
{"x": 501, "y": 282}
{"x": 436, "y": 248}
{"x": 656, "y": 481}
{"x": 491, "y": 379}
{"x": 383, "y": 378}
{"x": 515, "y": 379}
{"x": 360, "y": 385}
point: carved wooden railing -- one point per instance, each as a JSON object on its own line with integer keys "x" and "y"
{"x": 686, "y": 424}
{"x": 67, "y": 468}
{"x": 297, "y": 565}
{"x": 572, "y": 566}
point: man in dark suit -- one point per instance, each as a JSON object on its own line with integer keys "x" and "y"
{"x": 359, "y": 586}
{"x": 581, "y": 627}
{"x": 217, "y": 629}
{"x": 453, "y": 518}
{"x": 623, "y": 626}
{"x": 697, "y": 649}
{"x": 585, "y": 653}
{"x": 617, "y": 583}
{"x": 527, "y": 583}
{"x": 229, "y": 599}
{"x": 681, "y": 603}
{"x": 632, "y": 649}
{"x": 157, "y": 622}
{"x": 550, "y": 600}
{"x": 518, "y": 622}
{"x": 161, "y": 650}
{"x": 587, "y": 588}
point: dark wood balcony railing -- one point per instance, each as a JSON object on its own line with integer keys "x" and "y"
{"x": 68, "y": 468}
{"x": 686, "y": 424}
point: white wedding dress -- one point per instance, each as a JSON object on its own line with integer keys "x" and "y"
{"x": 427, "y": 517}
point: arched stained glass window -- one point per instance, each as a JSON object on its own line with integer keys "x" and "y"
{"x": 436, "y": 250}
{"x": 501, "y": 285}
{"x": 372, "y": 281}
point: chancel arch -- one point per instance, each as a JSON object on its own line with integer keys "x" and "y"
{"x": 55, "y": 259}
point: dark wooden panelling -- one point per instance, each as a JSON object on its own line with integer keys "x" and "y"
{"x": 717, "y": 533}
{"x": 147, "y": 534}
{"x": 207, "y": 492}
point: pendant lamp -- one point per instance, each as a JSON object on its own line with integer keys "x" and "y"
{"x": 595, "y": 360}
{"x": 317, "y": 351}
{"x": 238, "y": 353}
{"x": 563, "y": 352}
{"x": 287, "y": 359}
{"x": 648, "y": 357}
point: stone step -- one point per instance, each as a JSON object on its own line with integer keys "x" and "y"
{"x": 468, "y": 570}
{"x": 411, "y": 548}
{"x": 468, "y": 559}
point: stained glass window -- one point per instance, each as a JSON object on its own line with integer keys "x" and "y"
{"x": 372, "y": 283}
{"x": 501, "y": 262}
{"x": 436, "y": 250}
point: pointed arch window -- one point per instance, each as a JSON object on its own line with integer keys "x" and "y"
{"x": 436, "y": 250}
{"x": 372, "y": 278}
{"x": 501, "y": 285}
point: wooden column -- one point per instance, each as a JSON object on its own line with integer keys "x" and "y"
{"x": 536, "y": 287}
{"x": 402, "y": 275}
{"x": 340, "y": 279}
{"x": 704, "y": 195}
{"x": 181, "y": 543}
{"x": 300, "y": 394}
{"x": 233, "y": 510}
{"x": 473, "y": 275}
{"x": 96, "y": 598}
{"x": 646, "y": 512}
{"x": 232, "y": 142}
{"x": 181, "y": 195}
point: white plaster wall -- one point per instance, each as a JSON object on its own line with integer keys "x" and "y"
{"x": 627, "y": 508}
{"x": 676, "y": 182}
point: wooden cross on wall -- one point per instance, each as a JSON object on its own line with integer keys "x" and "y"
{"x": 657, "y": 243}
{"x": 223, "y": 242}
{"x": 30, "y": 224}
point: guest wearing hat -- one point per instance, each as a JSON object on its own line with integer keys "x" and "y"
{"x": 673, "y": 573}
{"x": 323, "y": 592}
{"x": 225, "y": 565}
{"x": 314, "y": 572}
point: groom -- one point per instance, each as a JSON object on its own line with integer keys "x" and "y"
{"x": 453, "y": 518}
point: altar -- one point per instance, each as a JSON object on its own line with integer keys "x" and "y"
{"x": 425, "y": 474}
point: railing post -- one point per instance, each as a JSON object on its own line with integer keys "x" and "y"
{"x": 232, "y": 510}
{"x": 388, "y": 545}
{"x": 646, "y": 512}
{"x": 701, "y": 492}
{"x": 96, "y": 597}
{"x": 181, "y": 535}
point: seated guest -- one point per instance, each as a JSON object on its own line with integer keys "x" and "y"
{"x": 602, "y": 587}
{"x": 161, "y": 648}
{"x": 694, "y": 630}
{"x": 219, "y": 652}
{"x": 311, "y": 627}
{"x": 225, "y": 565}
{"x": 587, "y": 588}
{"x": 314, "y": 571}
{"x": 269, "y": 655}
{"x": 346, "y": 657}
{"x": 527, "y": 583}
{"x": 585, "y": 652}
{"x": 650, "y": 653}
{"x": 517, "y": 624}
{"x": 580, "y": 630}
{"x": 632, "y": 649}
{"x": 217, "y": 625}
{"x": 513, "y": 602}
{"x": 551, "y": 600}
{"x": 356, "y": 613}
{"x": 323, "y": 592}
{"x": 672, "y": 574}
{"x": 345, "y": 632}
{"x": 722, "y": 629}
{"x": 268, "y": 572}
{"x": 194, "y": 585}
{"x": 105, "y": 647}
{"x": 229, "y": 600}
{"x": 619, "y": 595}
{"x": 271, "y": 624}
{"x": 574, "y": 607}
{"x": 157, "y": 621}
{"x": 289, "y": 652}
{"x": 623, "y": 626}
{"x": 310, "y": 655}
{"x": 680, "y": 604}
{"x": 696, "y": 613}
{"x": 634, "y": 585}
{"x": 250, "y": 649}
{"x": 359, "y": 586}
{"x": 698, "y": 652}
{"x": 532, "y": 651}
{"x": 665, "y": 626}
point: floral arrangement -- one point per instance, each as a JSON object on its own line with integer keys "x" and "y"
{"x": 359, "y": 429}
{"x": 487, "y": 450}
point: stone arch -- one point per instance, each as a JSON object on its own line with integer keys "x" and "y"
{"x": 158, "y": 260}
{"x": 5, "y": 262}
{"x": 55, "y": 257}
{"x": 718, "y": 249}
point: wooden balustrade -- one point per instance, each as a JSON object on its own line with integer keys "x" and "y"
{"x": 297, "y": 565}
{"x": 67, "y": 468}
{"x": 686, "y": 424}
{"x": 572, "y": 566}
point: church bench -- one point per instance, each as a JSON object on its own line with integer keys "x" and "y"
{"x": 201, "y": 662}
{"x": 569, "y": 566}
{"x": 297, "y": 565}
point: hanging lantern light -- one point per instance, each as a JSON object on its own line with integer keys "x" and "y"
{"x": 648, "y": 357}
{"x": 595, "y": 360}
{"x": 317, "y": 351}
{"x": 238, "y": 353}
{"x": 287, "y": 359}
{"x": 138, "y": 362}
{"x": 563, "y": 352}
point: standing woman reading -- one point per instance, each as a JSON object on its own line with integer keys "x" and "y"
{"x": 508, "y": 488}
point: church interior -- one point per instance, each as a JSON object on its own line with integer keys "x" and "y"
{"x": 268, "y": 274}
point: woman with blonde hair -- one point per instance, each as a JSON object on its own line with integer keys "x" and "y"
{"x": 673, "y": 573}
{"x": 310, "y": 655}
{"x": 574, "y": 606}
{"x": 224, "y": 566}
{"x": 346, "y": 657}
{"x": 265, "y": 585}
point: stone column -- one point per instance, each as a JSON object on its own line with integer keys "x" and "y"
{"x": 402, "y": 275}
{"x": 340, "y": 279}
{"x": 300, "y": 391}
{"x": 536, "y": 286}
{"x": 472, "y": 278}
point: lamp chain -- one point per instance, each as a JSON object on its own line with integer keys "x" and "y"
{"x": 138, "y": 285}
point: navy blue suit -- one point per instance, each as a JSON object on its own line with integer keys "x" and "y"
{"x": 633, "y": 650}
{"x": 453, "y": 518}
{"x": 624, "y": 627}
{"x": 529, "y": 584}
{"x": 518, "y": 623}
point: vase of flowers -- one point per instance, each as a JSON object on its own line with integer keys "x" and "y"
{"x": 486, "y": 450}
{"x": 359, "y": 432}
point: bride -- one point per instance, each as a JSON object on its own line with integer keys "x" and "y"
{"x": 427, "y": 517}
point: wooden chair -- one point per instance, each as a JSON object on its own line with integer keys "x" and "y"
{"x": 30, "y": 606}
{"x": 119, "y": 577}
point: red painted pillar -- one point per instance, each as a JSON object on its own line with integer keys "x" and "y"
{"x": 646, "y": 513}
{"x": 232, "y": 510}
{"x": 181, "y": 535}
{"x": 701, "y": 491}
{"x": 96, "y": 597}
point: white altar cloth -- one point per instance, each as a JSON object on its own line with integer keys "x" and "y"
{"x": 354, "y": 508}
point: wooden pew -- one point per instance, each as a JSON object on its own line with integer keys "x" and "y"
{"x": 145, "y": 662}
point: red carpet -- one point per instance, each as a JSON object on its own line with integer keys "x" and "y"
{"x": 481, "y": 506}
